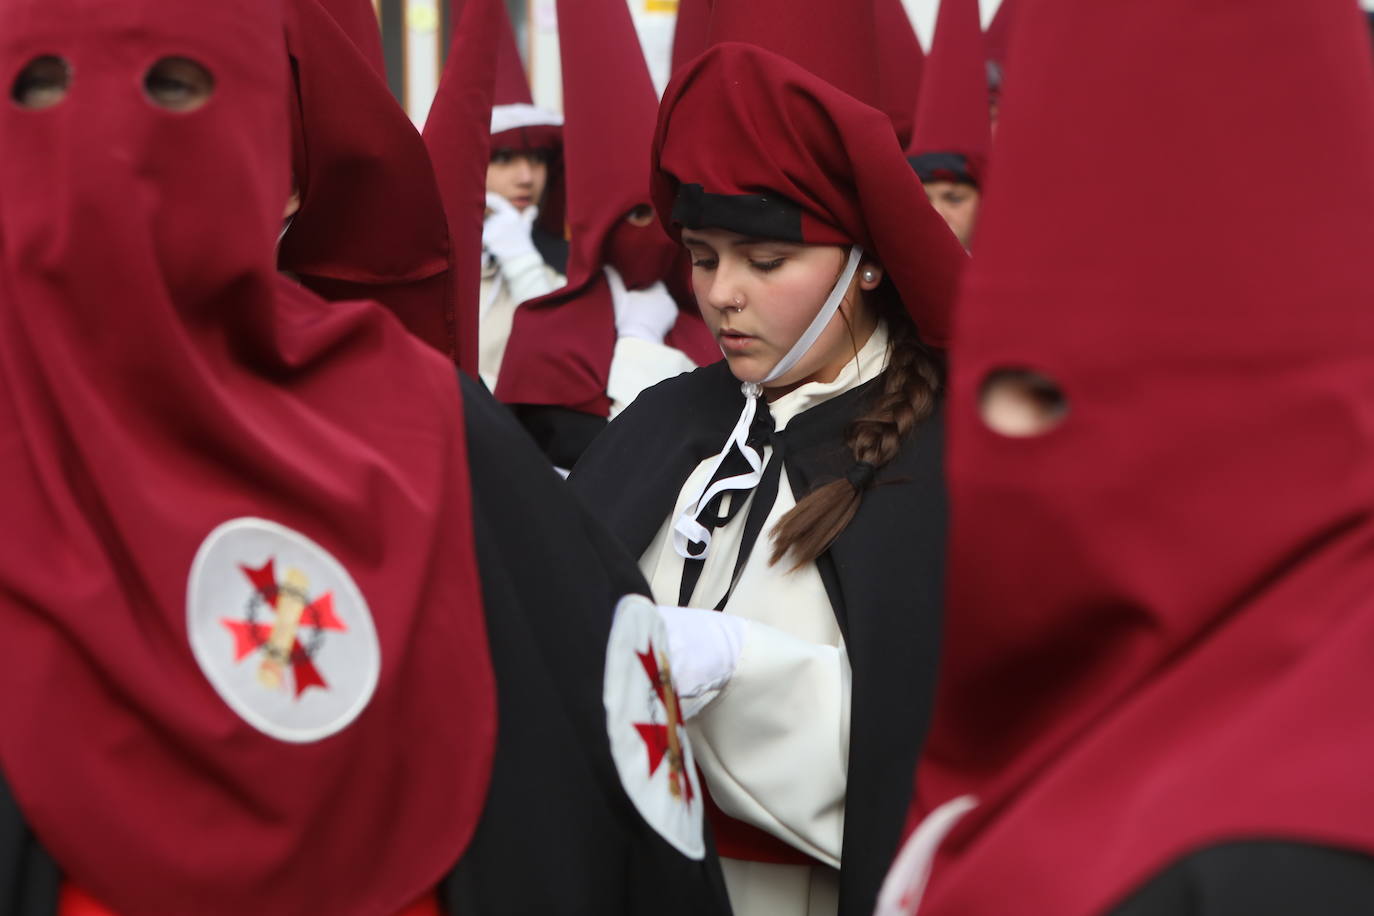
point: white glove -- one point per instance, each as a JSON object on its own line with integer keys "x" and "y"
{"x": 704, "y": 647}
{"x": 645, "y": 314}
{"x": 506, "y": 232}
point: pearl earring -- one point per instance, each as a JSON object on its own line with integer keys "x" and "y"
{"x": 870, "y": 276}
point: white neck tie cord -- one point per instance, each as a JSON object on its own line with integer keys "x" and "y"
{"x": 688, "y": 529}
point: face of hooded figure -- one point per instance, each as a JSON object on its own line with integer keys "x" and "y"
{"x": 518, "y": 175}
{"x": 637, "y": 248}
{"x": 173, "y": 83}
{"x": 759, "y": 295}
{"x": 957, "y": 202}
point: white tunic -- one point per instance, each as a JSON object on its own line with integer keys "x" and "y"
{"x": 504, "y": 287}
{"x": 774, "y": 745}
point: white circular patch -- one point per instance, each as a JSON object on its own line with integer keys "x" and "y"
{"x": 648, "y": 739}
{"x": 281, "y": 630}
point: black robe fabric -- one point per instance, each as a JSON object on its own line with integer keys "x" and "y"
{"x": 884, "y": 575}
{"x": 562, "y": 434}
{"x": 552, "y": 248}
{"x": 29, "y": 878}
{"x": 1259, "y": 878}
{"x": 558, "y": 834}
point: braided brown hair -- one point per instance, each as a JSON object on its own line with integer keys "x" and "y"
{"x": 906, "y": 397}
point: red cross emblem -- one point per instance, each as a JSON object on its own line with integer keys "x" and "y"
{"x": 279, "y": 640}
{"x": 663, "y": 740}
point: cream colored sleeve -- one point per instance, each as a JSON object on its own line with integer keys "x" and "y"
{"x": 774, "y": 744}
{"x": 638, "y": 364}
{"x": 500, "y": 297}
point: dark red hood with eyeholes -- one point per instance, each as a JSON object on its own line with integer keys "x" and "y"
{"x": 747, "y": 134}
{"x": 561, "y": 346}
{"x": 158, "y": 379}
{"x": 371, "y": 223}
{"x": 1160, "y": 613}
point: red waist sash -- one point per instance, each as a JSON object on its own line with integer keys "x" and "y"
{"x": 73, "y": 901}
{"x": 737, "y": 840}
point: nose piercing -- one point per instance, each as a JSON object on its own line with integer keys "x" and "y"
{"x": 737, "y": 305}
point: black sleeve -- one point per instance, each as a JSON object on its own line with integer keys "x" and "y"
{"x": 553, "y": 249}
{"x": 29, "y": 879}
{"x": 1259, "y": 878}
{"x": 561, "y": 433}
{"x": 558, "y": 834}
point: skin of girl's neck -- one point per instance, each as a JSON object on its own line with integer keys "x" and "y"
{"x": 863, "y": 323}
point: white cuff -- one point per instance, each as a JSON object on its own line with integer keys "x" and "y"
{"x": 705, "y": 647}
{"x": 527, "y": 277}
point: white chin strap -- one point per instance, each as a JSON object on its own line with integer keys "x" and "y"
{"x": 687, "y": 529}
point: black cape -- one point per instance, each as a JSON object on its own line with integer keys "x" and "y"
{"x": 1259, "y": 878}
{"x": 558, "y": 834}
{"x": 884, "y": 575}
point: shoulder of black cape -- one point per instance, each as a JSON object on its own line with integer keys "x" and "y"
{"x": 562, "y": 434}
{"x": 558, "y": 833}
{"x": 1258, "y": 878}
{"x": 29, "y": 878}
{"x": 632, "y": 473}
{"x": 883, "y": 576}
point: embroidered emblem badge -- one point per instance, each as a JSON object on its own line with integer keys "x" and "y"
{"x": 648, "y": 738}
{"x": 280, "y": 630}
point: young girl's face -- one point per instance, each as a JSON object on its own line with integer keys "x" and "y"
{"x": 759, "y": 295}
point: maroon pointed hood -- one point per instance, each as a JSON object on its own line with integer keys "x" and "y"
{"x": 237, "y": 575}
{"x": 561, "y": 345}
{"x": 692, "y": 31}
{"x": 1160, "y": 612}
{"x": 953, "y": 127}
{"x": 901, "y": 63}
{"x": 997, "y": 39}
{"x": 516, "y": 122}
{"x": 358, "y": 19}
{"x": 371, "y": 223}
{"x": 460, "y": 155}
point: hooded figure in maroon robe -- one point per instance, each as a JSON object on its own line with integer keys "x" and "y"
{"x": 1155, "y": 685}
{"x": 949, "y": 148}
{"x": 584, "y": 352}
{"x": 370, "y": 222}
{"x": 271, "y": 637}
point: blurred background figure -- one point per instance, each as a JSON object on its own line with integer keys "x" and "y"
{"x": 949, "y": 149}
{"x": 367, "y": 220}
{"x": 582, "y": 354}
{"x": 524, "y": 252}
